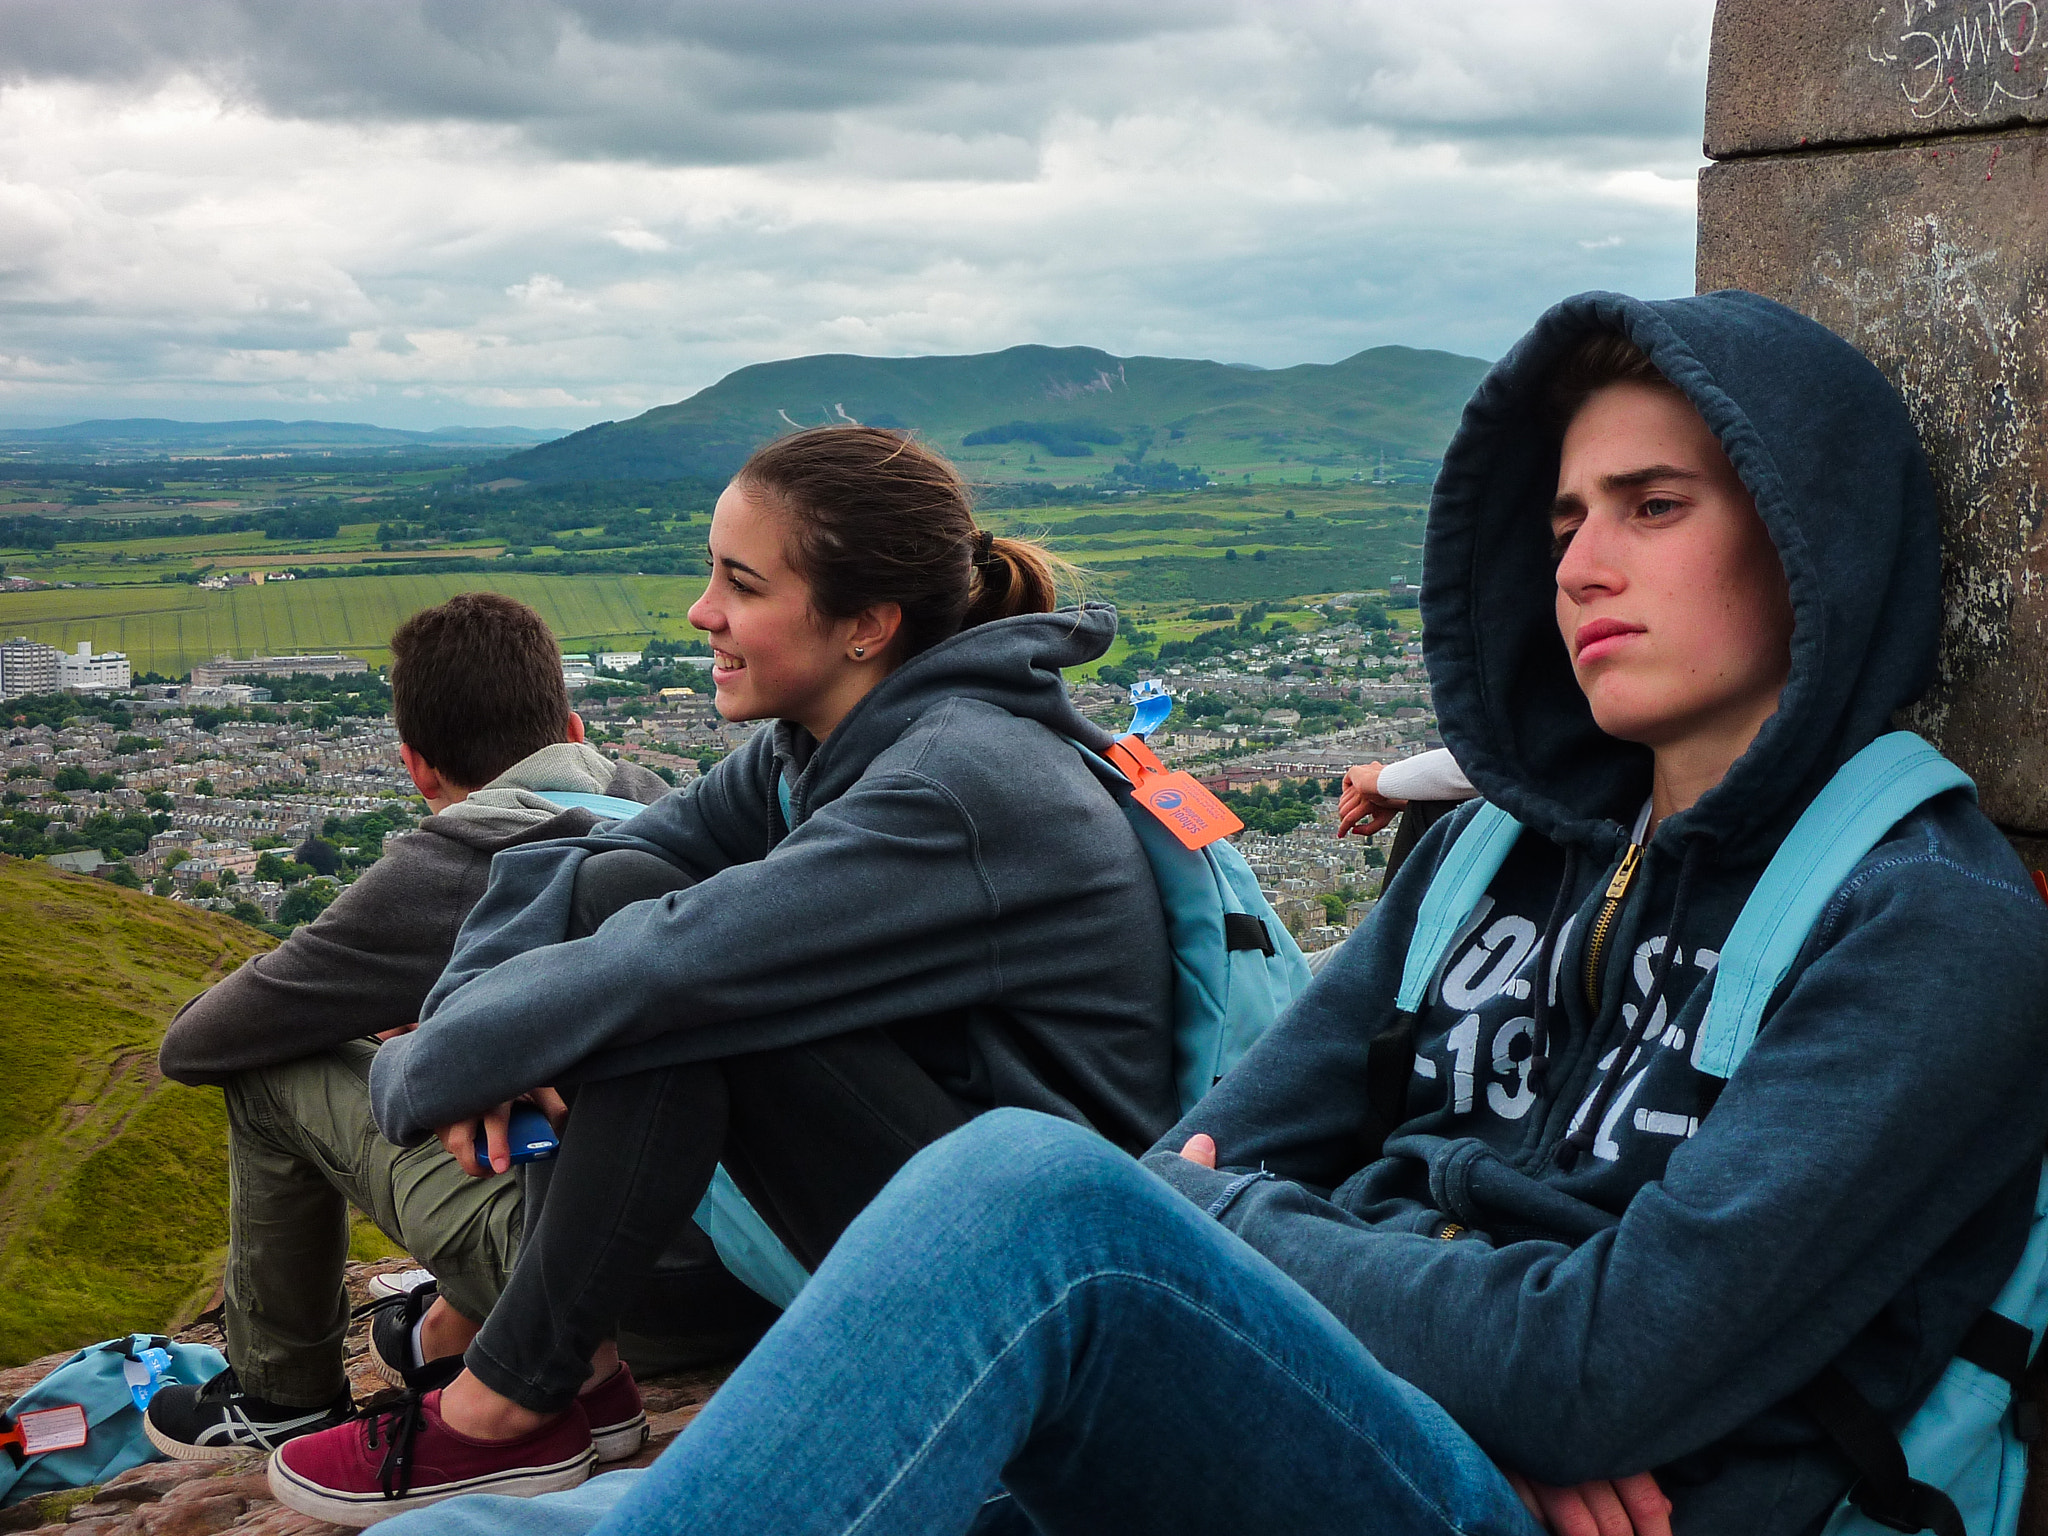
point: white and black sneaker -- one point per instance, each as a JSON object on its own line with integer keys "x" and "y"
{"x": 217, "y": 1419}
{"x": 384, "y": 1287}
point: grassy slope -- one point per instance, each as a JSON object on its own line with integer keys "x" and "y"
{"x": 113, "y": 1182}
{"x": 1392, "y": 400}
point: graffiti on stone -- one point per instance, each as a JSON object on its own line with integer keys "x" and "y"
{"x": 1940, "y": 313}
{"x": 1961, "y": 58}
{"x": 1934, "y": 281}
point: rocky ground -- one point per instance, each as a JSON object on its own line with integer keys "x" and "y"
{"x": 183, "y": 1498}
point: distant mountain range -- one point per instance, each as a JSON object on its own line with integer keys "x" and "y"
{"x": 143, "y": 434}
{"x": 1046, "y": 411}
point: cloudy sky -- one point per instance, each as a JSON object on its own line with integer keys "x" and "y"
{"x": 551, "y": 212}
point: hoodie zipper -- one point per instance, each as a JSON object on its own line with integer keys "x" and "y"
{"x": 1603, "y": 925}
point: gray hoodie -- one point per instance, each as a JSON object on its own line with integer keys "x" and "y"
{"x": 950, "y": 868}
{"x": 365, "y": 964}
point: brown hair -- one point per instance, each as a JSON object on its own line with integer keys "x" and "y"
{"x": 877, "y": 517}
{"x": 476, "y": 685}
{"x": 1598, "y": 360}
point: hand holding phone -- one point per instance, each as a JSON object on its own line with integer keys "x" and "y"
{"x": 531, "y": 1138}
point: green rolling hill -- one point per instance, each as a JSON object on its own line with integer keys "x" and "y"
{"x": 1065, "y": 413}
{"x": 113, "y": 1182}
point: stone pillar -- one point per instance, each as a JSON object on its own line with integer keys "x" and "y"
{"x": 1882, "y": 165}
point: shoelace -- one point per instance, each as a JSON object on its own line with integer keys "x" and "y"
{"x": 221, "y": 1388}
{"x": 399, "y": 1414}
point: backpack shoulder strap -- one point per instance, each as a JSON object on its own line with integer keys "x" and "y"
{"x": 1475, "y": 858}
{"x": 1870, "y": 794}
{"x": 610, "y": 807}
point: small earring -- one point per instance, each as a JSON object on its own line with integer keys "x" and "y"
{"x": 860, "y": 650}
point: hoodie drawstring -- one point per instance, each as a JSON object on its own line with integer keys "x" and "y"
{"x": 1581, "y": 1140}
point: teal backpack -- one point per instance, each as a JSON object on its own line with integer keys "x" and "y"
{"x": 102, "y": 1391}
{"x": 1236, "y": 968}
{"x": 1959, "y": 1466}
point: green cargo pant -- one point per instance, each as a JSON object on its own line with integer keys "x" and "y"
{"x": 303, "y": 1148}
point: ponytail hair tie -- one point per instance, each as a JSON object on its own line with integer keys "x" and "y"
{"x": 984, "y": 547}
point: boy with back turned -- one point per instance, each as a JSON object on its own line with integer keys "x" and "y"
{"x": 486, "y": 733}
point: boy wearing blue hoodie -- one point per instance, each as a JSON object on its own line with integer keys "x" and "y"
{"x": 1682, "y": 565}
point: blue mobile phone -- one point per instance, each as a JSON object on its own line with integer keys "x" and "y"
{"x": 532, "y": 1139}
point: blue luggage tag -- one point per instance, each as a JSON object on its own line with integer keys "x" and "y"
{"x": 1151, "y": 704}
{"x": 144, "y": 1371}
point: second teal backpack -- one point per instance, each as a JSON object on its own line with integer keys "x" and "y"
{"x": 1235, "y": 970}
{"x": 1959, "y": 1466}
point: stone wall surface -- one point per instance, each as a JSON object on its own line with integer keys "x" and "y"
{"x": 1849, "y": 71}
{"x": 1930, "y": 253}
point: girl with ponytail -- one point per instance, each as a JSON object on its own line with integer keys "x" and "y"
{"x": 905, "y": 902}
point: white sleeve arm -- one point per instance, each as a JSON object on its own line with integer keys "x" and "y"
{"x": 1427, "y": 776}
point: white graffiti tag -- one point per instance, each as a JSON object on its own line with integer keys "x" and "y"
{"x": 1961, "y": 56}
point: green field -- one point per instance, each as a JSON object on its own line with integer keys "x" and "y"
{"x": 1148, "y": 552}
{"x": 170, "y": 628}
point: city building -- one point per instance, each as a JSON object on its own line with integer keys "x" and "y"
{"x": 226, "y": 693}
{"x": 617, "y": 661}
{"x": 226, "y": 669}
{"x": 80, "y": 671}
{"x": 27, "y": 666}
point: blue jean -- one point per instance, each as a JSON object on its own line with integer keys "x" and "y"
{"x": 1025, "y": 1306}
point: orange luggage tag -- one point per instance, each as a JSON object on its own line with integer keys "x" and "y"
{"x": 1188, "y": 811}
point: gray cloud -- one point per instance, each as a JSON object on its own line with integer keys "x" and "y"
{"x": 687, "y": 83}
{"x": 696, "y": 83}
{"x": 552, "y": 212}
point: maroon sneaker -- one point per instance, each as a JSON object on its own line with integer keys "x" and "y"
{"x": 401, "y": 1456}
{"x": 618, "y": 1420}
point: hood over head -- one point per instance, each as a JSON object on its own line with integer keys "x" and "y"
{"x": 1012, "y": 663}
{"x": 1825, "y": 446}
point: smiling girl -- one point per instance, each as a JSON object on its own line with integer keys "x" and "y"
{"x": 906, "y": 901}
{"x": 1681, "y": 566}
